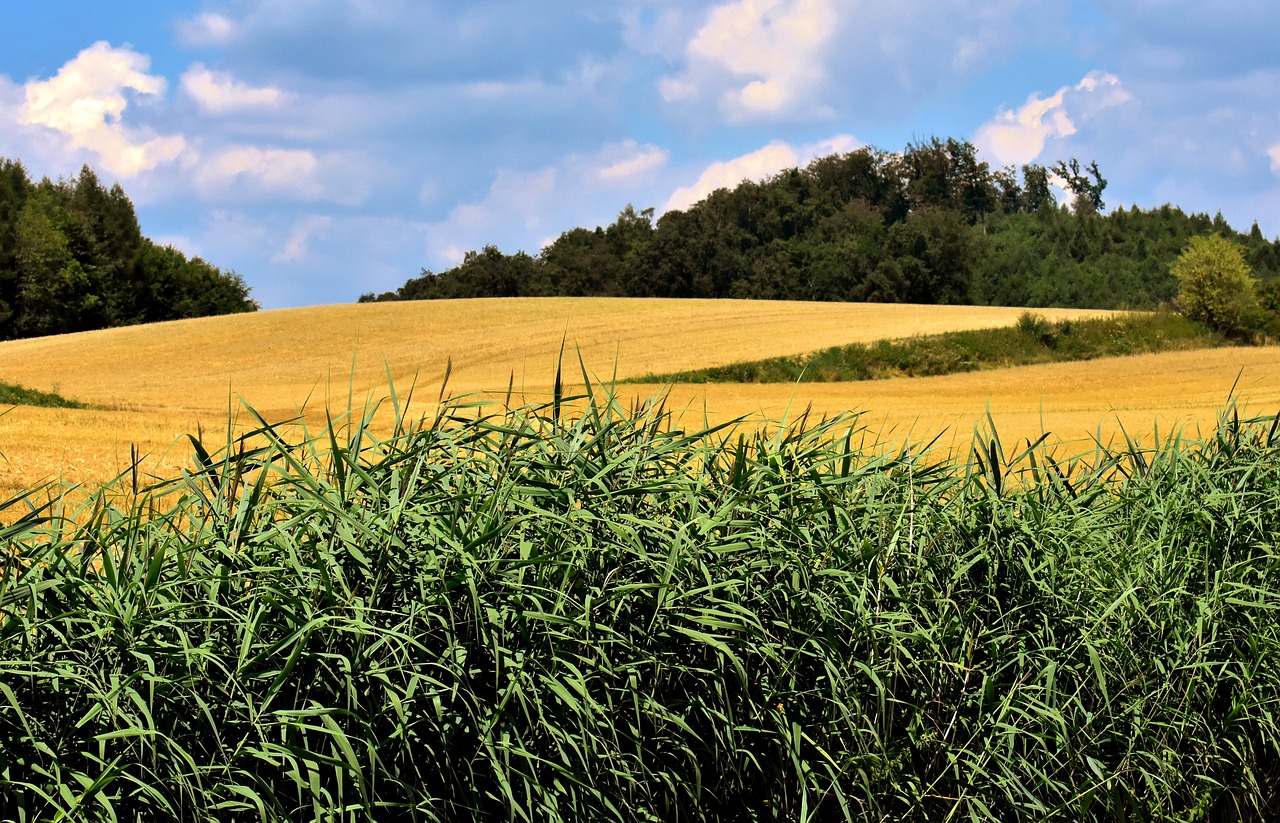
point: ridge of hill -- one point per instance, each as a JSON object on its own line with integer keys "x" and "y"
{"x": 931, "y": 224}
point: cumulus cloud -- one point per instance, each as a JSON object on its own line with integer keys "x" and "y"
{"x": 1018, "y": 137}
{"x": 218, "y": 92}
{"x": 1274, "y": 154}
{"x": 86, "y": 100}
{"x": 757, "y": 165}
{"x": 772, "y": 50}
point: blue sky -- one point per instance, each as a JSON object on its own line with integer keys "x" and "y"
{"x": 325, "y": 149}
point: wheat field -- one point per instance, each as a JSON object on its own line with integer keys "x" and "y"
{"x": 159, "y": 382}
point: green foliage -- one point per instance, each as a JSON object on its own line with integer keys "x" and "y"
{"x": 1034, "y": 340}
{"x": 931, "y": 224}
{"x": 1087, "y": 185}
{"x": 72, "y": 258}
{"x": 519, "y": 616}
{"x": 14, "y": 395}
{"x": 1216, "y": 285}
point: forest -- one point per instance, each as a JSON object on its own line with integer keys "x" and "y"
{"x": 73, "y": 258}
{"x": 930, "y": 224}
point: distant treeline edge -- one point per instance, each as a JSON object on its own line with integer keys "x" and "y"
{"x": 931, "y": 224}
{"x": 73, "y": 258}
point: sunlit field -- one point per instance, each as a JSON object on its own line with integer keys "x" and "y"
{"x": 157, "y": 383}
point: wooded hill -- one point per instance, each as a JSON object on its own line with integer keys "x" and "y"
{"x": 73, "y": 258}
{"x": 931, "y": 224}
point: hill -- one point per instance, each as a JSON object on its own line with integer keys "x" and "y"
{"x": 155, "y": 383}
{"x": 73, "y": 258}
{"x": 931, "y": 224}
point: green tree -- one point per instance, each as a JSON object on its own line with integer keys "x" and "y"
{"x": 14, "y": 189}
{"x": 181, "y": 287}
{"x": 1086, "y": 185}
{"x": 1035, "y": 188}
{"x": 1216, "y": 285}
{"x": 55, "y": 289}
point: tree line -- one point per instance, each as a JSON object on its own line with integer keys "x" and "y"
{"x": 73, "y": 258}
{"x": 930, "y": 224}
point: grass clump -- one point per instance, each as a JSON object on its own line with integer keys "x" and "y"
{"x": 14, "y": 395}
{"x": 1033, "y": 340}
{"x": 521, "y": 616}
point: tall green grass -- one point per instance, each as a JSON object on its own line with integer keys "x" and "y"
{"x": 1032, "y": 341}
{"x": 578, "y": 612}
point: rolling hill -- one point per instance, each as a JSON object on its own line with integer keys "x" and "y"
{"x": 155, "y": 383}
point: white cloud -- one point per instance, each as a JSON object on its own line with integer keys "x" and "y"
{"x": 772, "y": 50}
{"x": 218, "y": 92}
{"x": 814, "y": 60}
{"x": 1018, "y": 137}
{"x": 297, "y": 247}
{"x": 757, "y": 165}
{"x": 89, "y": 112}
{"x": 527, "y": 209}
{"x": 207, "y": 29}
{"x": 86, "y": 101}
{"x": 636, "y": 161}
{"x": 1274, "y": 154}
{"x": 515, "y": 199}
{"x": 658, "y": 31}
{"x": 290, "y": 171}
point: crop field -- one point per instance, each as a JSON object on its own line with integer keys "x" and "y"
{"x": 156, "y": 383}
{"x": 587, "y": 608}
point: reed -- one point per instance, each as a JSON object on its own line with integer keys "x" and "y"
{"x": 578, "y": 611}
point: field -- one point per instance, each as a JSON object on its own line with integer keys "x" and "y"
{"x": 516, "y": 613}
{"x": 157, "y": 383}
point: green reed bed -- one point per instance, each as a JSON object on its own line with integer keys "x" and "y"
{"x": 514, "y": 615}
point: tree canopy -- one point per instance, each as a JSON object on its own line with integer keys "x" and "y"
{"x": 1216, "y": 285}
{"x": 930, "y": 224}
{"x": 73, "y": 258}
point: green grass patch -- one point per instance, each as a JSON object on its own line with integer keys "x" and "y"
{"x": 1033, "y": 340}
{"x": 521, "y": 615}
{"x": 13, "y": 395}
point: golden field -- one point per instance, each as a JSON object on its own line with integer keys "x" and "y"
{"x": 161, "y": 381}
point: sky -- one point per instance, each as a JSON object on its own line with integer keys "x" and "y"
{"x": 327, "y": 148}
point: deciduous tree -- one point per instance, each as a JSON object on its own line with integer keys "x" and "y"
{"x": 1216, "y": 286}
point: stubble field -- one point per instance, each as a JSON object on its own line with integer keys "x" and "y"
{"x": 157, "y": 383}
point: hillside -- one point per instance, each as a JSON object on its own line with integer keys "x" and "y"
{"x": 159, "y": 382}
{"x": 73, "y": 258}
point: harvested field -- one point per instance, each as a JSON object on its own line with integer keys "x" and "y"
{"x": 1074, "y": 402}
{"x": 159, "y": 382}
